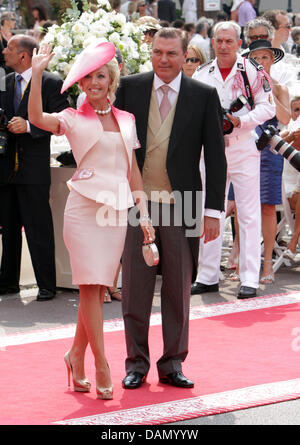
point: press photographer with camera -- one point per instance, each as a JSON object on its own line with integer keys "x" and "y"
{"x": 236, "y": 77}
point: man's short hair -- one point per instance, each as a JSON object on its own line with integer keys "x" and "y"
{"x": 200, "y": 27}
{"x": 271, "y": 16}
{"x": 228, "y": 25}
{"x": 26, "y": 43}
{"x": 255, "y": 23}
{"x": 173, "y": 33}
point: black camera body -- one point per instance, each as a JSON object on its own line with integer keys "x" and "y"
{"x": 270, "y": 137}
{"x": 235, "y": 106}
{"x": 3, "y": 132}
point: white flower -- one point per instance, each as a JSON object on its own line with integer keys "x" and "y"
{"x": 146, "y": 67}
{"x": 104, "y": 25}
{"x": 114, "y": 38}
{"x": 120, "y": 19}
{"x": 64, "y": 67}
{"x": 104, "y": 3}
{"x": 64, "y": 40}
{"x": 78, "y": 28}
{"x": 78, "y": 39}
{"x": 87, "y": 17}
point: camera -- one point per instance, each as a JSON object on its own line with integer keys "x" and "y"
{"x": 235, "y": 106}
{"x": 270, "y": 137}
{"x": 3, "y": 132}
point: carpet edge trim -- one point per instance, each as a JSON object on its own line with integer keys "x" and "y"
{"x": 184, "y": 409}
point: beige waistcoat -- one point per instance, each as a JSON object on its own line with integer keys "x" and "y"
{"x": 155, "y": 176}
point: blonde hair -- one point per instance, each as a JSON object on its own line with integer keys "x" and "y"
{"x": 200, "y": 54}
{"x": 114, "y": 74}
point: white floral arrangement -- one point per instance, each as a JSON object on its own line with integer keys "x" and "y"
{"x": 81, "y": 29}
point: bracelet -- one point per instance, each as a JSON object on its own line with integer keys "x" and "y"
{"x": 145, "y": 218}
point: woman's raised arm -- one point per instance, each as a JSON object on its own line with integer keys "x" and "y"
{"x": 36, "y": 116}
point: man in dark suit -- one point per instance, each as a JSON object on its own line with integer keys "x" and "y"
{"x": 166, "y": 10}
{"x": 25, "y": 174}
{"x": 169, "y": 158}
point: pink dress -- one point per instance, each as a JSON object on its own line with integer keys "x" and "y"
{"x": 95, "y": 219}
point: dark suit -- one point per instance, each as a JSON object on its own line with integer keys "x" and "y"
{"x": 24, "y": 188}
{"x": 197, "y": 122}
{"x": 166, "y": 10}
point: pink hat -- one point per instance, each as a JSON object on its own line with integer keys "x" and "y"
{"x": 89, "y": 60}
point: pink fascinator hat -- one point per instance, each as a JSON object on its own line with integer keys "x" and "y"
{"x": 89, "y": 60}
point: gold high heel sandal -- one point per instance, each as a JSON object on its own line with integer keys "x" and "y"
{"x": 105, "y": 393}
{"x": 79, "y": 385}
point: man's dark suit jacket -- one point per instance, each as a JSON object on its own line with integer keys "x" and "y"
{"x": 197, "y": 122}
{"x": 166, "y": 10}
{"x": 33, "y": 148}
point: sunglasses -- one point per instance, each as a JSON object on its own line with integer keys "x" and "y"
{"x": 192, "y": 59}
{"x": 288, "y": 26}
{"x": 259, "y": 37}
{"x": 150, "y": 32}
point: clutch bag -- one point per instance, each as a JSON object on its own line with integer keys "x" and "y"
{"x": 150, "y": 254}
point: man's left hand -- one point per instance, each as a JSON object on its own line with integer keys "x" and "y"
{"x": 234, "y": 119}
{"x": 211, "y": 229}
{"x": 17, "y": 125}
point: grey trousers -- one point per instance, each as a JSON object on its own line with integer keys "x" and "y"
{"x": 138, "y": 283}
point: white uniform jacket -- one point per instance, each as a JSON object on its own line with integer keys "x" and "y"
{"x": 233, "y": 86}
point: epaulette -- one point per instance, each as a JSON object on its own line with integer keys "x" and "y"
{"x": 204, "y": 64}
{"x": 257, "y": 65}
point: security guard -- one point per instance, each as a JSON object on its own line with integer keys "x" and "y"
{"x": 245, "y": 93}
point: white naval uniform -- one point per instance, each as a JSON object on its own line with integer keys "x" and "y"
{"x": 243, "y": 170}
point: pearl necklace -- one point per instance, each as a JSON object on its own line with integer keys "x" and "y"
{"x": 102, "y": 112}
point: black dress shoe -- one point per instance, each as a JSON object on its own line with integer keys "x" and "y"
{"x": 200, "y": 288}
{"x": 4, "y": 290}
{"x": 133, "y": 380}
{"x": 45, "y": 294}
{"x": 246, "y": 292}
{"x": 177, "y": 379}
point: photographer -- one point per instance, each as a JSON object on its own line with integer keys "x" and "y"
{"x": 234, "y": 79}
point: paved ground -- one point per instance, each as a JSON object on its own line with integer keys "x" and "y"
{"x": 21, "y": 312}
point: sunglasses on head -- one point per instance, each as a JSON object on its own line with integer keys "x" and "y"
{"x": 151, "y": 32}
{"x": 259, "y": 37}
{"x": 192, "y": 59}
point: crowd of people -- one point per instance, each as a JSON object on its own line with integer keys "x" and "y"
{"x": 147, "y": 148}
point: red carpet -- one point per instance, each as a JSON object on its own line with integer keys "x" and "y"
{"x": 242, "y": 354}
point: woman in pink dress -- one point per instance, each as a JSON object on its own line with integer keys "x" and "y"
{"x": 103, "y": 140}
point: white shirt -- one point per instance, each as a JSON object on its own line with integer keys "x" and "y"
{"x": 174, "y": 88}
{"x": 26, "y": 77}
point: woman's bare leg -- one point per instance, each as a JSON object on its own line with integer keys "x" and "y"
{"x": 91, "y": 302}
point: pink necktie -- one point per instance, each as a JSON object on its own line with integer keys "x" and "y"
{"x": 165, "y": 105}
